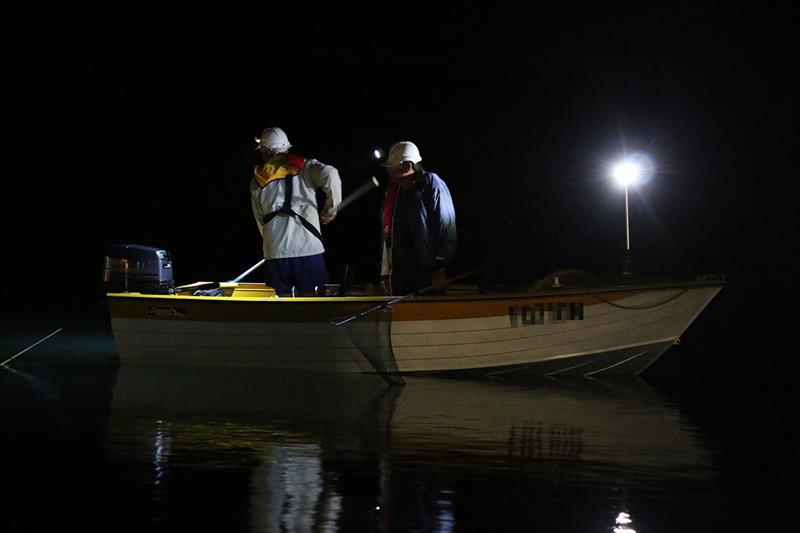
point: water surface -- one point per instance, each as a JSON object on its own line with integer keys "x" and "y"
{"x": 107, "y": 447}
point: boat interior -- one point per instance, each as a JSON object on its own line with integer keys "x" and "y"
{"x": 561, "y": 281}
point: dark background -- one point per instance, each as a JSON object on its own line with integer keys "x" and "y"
{"x": 136, "y": 126}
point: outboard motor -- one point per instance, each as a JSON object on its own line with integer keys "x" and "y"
{"x": 137, "y": 268}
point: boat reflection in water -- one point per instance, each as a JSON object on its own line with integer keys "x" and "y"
{"x": 303, "y": 452}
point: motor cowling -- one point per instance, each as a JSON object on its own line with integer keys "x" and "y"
{"x": 138, "y": 268}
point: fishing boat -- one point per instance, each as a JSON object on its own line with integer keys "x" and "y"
{"x": 567, "y": 323}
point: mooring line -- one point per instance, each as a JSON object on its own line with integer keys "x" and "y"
{"x": 29, "y": 347}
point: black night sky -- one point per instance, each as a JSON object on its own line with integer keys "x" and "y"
{"x": 133, "y": 122}
{"x": 136, "y": 125}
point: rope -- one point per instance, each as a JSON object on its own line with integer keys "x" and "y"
{"x": 629, "y": 307}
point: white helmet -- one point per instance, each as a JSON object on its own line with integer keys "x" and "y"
{"x": 402, "y": 151}
{"x": 274, "y": 140}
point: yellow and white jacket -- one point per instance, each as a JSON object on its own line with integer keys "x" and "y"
{"x": 284, "y": 235}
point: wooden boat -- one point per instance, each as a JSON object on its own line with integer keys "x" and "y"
{"x": 565, "y": 324}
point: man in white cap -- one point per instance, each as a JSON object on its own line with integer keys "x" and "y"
{"x": 284, "y": 202}
{"x": 419, "y": 224}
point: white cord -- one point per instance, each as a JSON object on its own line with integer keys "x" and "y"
{"x": 29, "y": 347}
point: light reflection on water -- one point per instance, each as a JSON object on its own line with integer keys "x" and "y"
{"x": 248, "y": 450}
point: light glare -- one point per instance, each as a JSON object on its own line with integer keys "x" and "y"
{"x": 626, "y": 173}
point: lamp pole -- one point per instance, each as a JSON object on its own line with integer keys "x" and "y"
{"x": 627, "y": 224}
{"x": 627, "y": 263}
{"x": 627, "y": 173}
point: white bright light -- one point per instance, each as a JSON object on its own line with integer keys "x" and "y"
{"x": 622, "y": 521}
{"x": 378, "y": 153}
{"x": 635, "y": 168}
{"x": 624, "y": 518}
{"x": 627, "y": 173}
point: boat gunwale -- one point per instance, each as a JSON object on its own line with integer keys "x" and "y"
{"x": 562, "y": 292}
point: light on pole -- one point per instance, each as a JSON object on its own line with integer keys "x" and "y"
{"x": 627, "y": 173}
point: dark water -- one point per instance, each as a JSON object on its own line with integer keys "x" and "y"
{"x": 100, "y": 446}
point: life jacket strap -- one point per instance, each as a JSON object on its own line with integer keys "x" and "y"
{"x": 286, "y": 208}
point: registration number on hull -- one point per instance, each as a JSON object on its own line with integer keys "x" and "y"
{"x": 544, "y": 313}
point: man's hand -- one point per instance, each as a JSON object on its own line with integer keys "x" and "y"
{"x": 327, "y": 219}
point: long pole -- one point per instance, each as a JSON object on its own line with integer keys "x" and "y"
{"x": 358, "y": 193}
{"x": 344, "y": 320}
{"x": 349, "y": 199}
{"x": 627, "y": 223}
{"x": 244, "y": 274}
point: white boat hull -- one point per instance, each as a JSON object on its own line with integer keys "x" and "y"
{"x": 570, "y": 333}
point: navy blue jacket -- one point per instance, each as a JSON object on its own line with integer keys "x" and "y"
{"x": 432, "y": 221}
